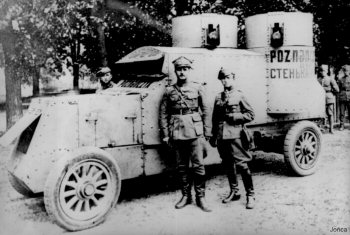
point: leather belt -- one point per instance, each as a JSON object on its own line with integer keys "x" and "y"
{"x": 184, "y": 111}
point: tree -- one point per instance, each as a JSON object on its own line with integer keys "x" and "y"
{"x": 13, "y": 83}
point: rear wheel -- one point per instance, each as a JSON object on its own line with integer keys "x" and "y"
{"x": 82, "y": 189}
{"x": 302, "y": 147}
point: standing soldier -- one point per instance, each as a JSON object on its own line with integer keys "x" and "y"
{"x": 184, "y": 120}
{"x": 105, "y": 77}
{"x": 344, "y": 95}
{"x": 231, "y": 112}
{"x": 330, "y": 86}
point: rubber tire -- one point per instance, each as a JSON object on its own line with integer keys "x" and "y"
{"x": 292, "y": 137}
{"x": 56, "y": 175}
{"x": 19, "y": 187}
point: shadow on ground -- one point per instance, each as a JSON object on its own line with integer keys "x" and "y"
{"x": 144, "y": 187}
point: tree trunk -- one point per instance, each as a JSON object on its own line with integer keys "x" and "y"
{"x": 102, "y": 44}
{"x": 75, "y": 76}
{"x": 35, "y": 76}
{"x": 74, "y": 56}
{"x": 13, "y": 96}
{"x": 100, "y": 11}
{"x": 13, "y": 83}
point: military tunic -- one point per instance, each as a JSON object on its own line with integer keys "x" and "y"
{"x": 330, "y": 86}
{"x": 231, "y": 111}
{"x": 180, "y": 109}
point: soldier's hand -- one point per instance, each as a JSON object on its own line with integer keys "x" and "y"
{"x": 213, "y": 142}
{"x": 207, "y": 138}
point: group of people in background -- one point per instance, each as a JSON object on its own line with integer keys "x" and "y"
{"x": 336, "y": 89}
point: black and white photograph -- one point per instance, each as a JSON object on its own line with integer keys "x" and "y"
{"x": 174, "y": 117}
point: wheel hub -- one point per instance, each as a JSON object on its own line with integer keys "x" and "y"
{"x": 306, "y": 149}
{"x": 87, "y": 190}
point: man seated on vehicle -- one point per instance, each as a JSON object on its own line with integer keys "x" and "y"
{"x": 105, "y": 77}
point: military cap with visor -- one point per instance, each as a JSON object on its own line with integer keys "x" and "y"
{"x": 182, "y": 62}
{"x": 103, "y": 71}
{"x": 225, "y": 72}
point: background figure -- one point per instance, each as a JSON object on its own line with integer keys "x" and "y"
{"x": 331, "y": 87}
{"x": 231, "y": 112}
{"x": 183, "y": 127}
{"x": 105, "y": 77}
{"x": 344, "y": 95}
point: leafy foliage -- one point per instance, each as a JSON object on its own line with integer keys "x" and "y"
{"x": 68, "y": 30}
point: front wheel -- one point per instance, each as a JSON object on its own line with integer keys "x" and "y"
{"x": 302, "y": 147}
{"x": 82, "y": 189}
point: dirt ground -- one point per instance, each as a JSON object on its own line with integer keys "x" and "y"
{"x": 316, "y": 204}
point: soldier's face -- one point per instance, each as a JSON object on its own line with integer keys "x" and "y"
{"x": 106, "y": 78}
{"x": 182, "y": 73}
{"x": 324, "y": 71}
{"x": 228, "y": 81}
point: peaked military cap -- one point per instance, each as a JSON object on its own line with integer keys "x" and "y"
{"x": 224, "y": 72}
{"x": 182, "y": 62}
{"x": 103, "y": 71}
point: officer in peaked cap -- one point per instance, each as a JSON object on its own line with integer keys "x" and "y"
{"x": 105, "y": 77}
{"x": 231, "y": 111}
{"x": 185, "y": 126}
{"x": 182, "y": 62}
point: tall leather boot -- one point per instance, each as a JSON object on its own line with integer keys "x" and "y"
{"x": 186, "y": 185}
{"x": 199, "y": 187}
{"x": 249, "y": 188}
{"x": 233, "y": 195}
{"x": 331, "y": 125}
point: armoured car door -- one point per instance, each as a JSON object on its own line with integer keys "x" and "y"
{"x": 110, "y": 120}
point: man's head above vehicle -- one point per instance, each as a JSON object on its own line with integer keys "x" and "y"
{"x": 104, "y": 74}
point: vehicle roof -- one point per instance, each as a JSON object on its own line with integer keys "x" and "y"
{"x": 148, "y": 53}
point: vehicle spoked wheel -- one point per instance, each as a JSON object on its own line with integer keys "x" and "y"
{"x": 82, "y": 189}
{"x": 302, "y": 147}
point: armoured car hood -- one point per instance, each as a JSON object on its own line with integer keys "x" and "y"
{"x": 19, "y": 127}
{"x": 154, "y": 62}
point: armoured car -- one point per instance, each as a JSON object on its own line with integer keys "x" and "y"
{"x": 78, "y": 149}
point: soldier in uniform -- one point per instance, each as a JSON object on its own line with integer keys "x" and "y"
{"x": 231, "y": 112}
{"x": 330, "y": 86}
{"x": 184, "y": 122}
{"x": 344, "y": 94}
{"x": 105, "y": 77}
